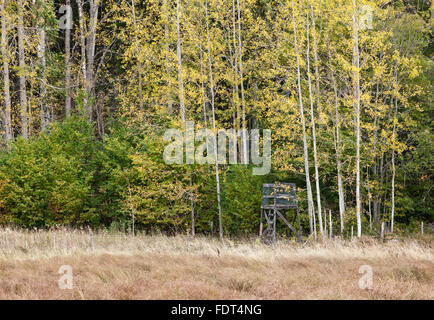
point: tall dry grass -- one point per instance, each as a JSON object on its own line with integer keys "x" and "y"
{"x": 118, "y": 266}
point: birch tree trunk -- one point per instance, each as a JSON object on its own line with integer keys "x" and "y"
{"x": 202, "y": 86}
{"x": 235, "y": 59}
{"x": 6, "y": 112}
{"x": 193, "y": 229}
{"x": 67, "y": 66}
{"x": 393, "y": 192}
{"x": 303, "y": 127}
{"x": 374, "y": 211}
{"x": 214, "y": 124}
{"x": 325, "y": 223}
{"x": 330, "y": 224}
{"x": 90, "y": 52}
{"x": 139, "y": 75}
{"x": 314, "y": 227}
{"x": 169, "y": 98}
{"x": 205, "y": 111}
{"x": 180, "y": 80}
{"x": 312, "y": 116}
{"x": 83, "y": 48}
{"x": 337, "y": 143}
{"x": 356, "y": 97}
{"x": 22, "y": 71}
{"x": 45, "y": 115}
{"x": 243, "y": 102}
{"x": 392, "y": 219}
{"x": 316, "y": 62}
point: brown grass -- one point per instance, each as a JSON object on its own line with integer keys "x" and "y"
{"x": 158, "y": 267}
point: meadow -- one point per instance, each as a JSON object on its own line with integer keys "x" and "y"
{"x": 108, "y": 265}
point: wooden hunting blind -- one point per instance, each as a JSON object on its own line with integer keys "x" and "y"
{"x": 277, "y": 197}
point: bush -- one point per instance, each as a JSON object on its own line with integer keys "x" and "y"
{"x": 47, "y": 179}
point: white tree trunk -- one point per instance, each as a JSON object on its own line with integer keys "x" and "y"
{"x": 392, "y": 219}
{"x": 330, "y": 224}
{"x": 235, "y": 62}
{"x": 83, "y": 48}
{"x": 193, "y": 228}
{"x": 90, "y": 52}
{"x": 168, "y": 94}
{"x": 67, "y": 67}
{"x": 243, "y": 102}
{"x": 337, "y": 143}
{"x": 316, "y": 62}
{"x": 180, "y": 79}
{"x": 303, "y": 127}
{"x": 214, "y": 124}
{"x": 45, "y": 115}
{"x": 312, "y": 116}
{"x": 6, "y": 112}
{"x": 356, "y": 89}
{"x": 22, "y": 71}
{"x": 325, "y": 223}
{"x": 393, "y": 192}
{"x": 139, "y": 75}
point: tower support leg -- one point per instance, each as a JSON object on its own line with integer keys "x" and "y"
{"x": 274, "y": 224}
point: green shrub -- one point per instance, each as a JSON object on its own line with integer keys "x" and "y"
{"x": 46, "y": 180}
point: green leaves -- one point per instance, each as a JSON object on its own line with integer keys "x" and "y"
{"x": 47, "y": 179}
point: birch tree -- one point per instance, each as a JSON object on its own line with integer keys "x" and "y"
{"x": 337, "y": 144}
{"x": 180, "y": 75}
{"x": 312, "y": 116}
{"x": 243, "y": 102}
{"x": 303, "y": 127}
{"x": 6, "y": 110}
{"x": 235, "y": 71}
{"x": 211, "y": 83}
{"x": 44, "y": 113}
{"x": 22, "y": 71}
{"x": 82, "y": 25}
{"x": 90, "y": 52}
{"x": 356, "y": 103}
{"x": 139, "y": 73}
{"x": 68, "y": 61}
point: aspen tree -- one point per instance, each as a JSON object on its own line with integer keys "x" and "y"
{"x": 337, "y": 144}
{"x": 193, "y": 229}
{"x": 330, "y": 224}
{"x": 392, "y": 218}
{"x": 214, "y": 124}
{"x": 165, "y": 18}
{"x": 90, "y": 52}
{"x": 235, "y": 63}
{"x": 303, "y": 127}
{"x": 202, "y": 86}
{"x": 393, "y": 168}
{"x": 68, "y": 65}
{"x": 243, "y": 102}
{"x": 312, "y": 116}
{"x": 316, "y": 62}
{"x": 45, "y": 116}
{"x": 356, "y": 97}
{"x": 83, "y": 48}
{"x": 180, "y": 76}
{"x": 139, "y": 75}
{"x": 22, "y": 71}
{"x": 6, "y": 110}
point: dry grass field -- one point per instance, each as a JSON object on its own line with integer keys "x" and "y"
{"x": 117, "y": 266}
